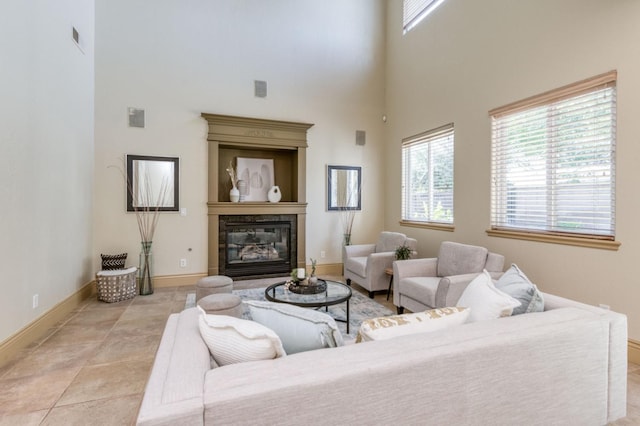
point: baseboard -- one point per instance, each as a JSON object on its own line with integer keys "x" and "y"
{"x": 327, "y": 269}
{"x": 36, "y": 329}
{"x": 633, "y": 353}
{"x": 177, "y": 280}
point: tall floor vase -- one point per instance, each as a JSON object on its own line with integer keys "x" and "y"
{"x": 145, "y": 283}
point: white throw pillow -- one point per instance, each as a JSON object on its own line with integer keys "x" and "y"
{"x": 231, "y": 340}
{"x": 485, "y": 300}
{"x": 299, "y": 329}
{"x": 421, "y": 322}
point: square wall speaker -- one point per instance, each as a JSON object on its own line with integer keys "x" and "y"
{"x": 136, "y": 117}
{"x": 260, "y": 88}
{"x": 361, "y": 137}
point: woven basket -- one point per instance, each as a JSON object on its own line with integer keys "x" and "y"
{"x": 116, "y": 285}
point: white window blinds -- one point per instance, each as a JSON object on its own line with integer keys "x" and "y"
{"x": 553, "y": 161}
{"x": 427, "y": 176}
{"x": 415, "y": 11}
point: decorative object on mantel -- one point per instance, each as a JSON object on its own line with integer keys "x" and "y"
{"x": 234, "y": 193}
{"x": 258, "y": 174}
{"x": 242, "y": 190}
{"x": 274, "y": 194}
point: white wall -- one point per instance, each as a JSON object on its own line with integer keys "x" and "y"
{"x": 469, "y": 57}
{"x": 46, "y": 156}
{"x": 324, "y": 64}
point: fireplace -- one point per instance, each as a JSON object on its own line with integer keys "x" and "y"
{"x": 285, "y": 142}
{"x": 257, "y": 245}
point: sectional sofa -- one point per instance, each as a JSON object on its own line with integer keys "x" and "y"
{"x": 566, "y": 365}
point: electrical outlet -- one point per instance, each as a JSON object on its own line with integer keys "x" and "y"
{"x": 183, "y": 263}
{"x": 323, "y": 254}
{"x": 35, "y": 301}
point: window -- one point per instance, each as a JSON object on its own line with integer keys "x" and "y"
{"x": 414, "y": 11}
{"x": 427, "y": 177}
{"x": 553, "y": 162}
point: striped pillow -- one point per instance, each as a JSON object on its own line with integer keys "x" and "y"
{"x": 232, "y": 340}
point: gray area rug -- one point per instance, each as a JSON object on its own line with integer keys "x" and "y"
{"x": 360, "y": 308}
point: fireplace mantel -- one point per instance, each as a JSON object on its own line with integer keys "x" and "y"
{"x": 286, "y": 143}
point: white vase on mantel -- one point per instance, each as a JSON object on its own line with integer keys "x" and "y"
{"x": 234, "y": 195}
{"x": 274, "y": 195}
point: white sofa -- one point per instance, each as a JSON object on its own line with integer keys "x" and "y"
{"x": 567, "y": 365}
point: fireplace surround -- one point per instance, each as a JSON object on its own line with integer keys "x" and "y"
{"x": 285, "y": 142}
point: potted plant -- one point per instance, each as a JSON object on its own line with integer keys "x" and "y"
{"x": 403, "y": 252}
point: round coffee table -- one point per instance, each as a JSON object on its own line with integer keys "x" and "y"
{"x": 336, "y": 293}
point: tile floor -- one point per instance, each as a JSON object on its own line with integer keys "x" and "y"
{"x": 92, "y": 367}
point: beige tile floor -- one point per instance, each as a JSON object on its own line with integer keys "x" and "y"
{"x": 92, "y": 367}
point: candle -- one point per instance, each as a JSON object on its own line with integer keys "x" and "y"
{"x": 301, "y": 273}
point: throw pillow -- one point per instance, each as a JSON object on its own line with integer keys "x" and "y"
{"x": 400, "y": 325}
{"x": 231, "y": 340}
{"x": 299, "y": 329}
{"x": 516, "y": 284}
{"x": 113, "y": 261}
{"x": 485, "y": 300}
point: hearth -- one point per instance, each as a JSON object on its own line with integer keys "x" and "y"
{"x": 257, "y": 245}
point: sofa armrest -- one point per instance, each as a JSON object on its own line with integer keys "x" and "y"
{"x": 358, "y": 250}
{"x": 451, "y": 288}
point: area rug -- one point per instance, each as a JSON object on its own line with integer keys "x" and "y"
{"x": 360, "y": 308}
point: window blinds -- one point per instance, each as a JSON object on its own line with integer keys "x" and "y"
{"x": 427, "y": 176}
{"x": 553, "y": 161}
{"x": 416, "y": 10}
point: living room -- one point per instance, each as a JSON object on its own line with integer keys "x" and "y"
{"x": 343, "y": 66}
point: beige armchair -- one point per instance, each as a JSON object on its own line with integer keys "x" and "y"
{"x": 365, "y": 264}
{"x": 421, "y": 284}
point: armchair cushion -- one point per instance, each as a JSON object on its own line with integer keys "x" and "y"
{"x": 485, "y": 300}
{"x": 357, "y": 265}
{"x": 421, "y": 288}
{"x": 516, "y": 284}
{"x": 457, "y": 259}
{"x": 389, "y": 241}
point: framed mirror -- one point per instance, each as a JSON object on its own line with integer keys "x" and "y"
{"x": 343, "y": 187}
{"x": 152, "y": 182}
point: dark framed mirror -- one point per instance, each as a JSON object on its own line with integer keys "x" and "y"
{"x": 343, "y": 188}
{"x": 152, "y": 183}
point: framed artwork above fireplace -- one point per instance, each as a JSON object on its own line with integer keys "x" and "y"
{"x": 258, "y": 175}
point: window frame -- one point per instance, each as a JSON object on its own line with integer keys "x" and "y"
{"x": 428, "y": 137}
{"x": 498, "y": 226}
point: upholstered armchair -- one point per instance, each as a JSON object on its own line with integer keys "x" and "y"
{"x": 421, "y": 284}
{"x": 365, "y": 264}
